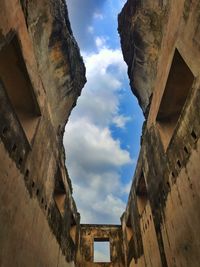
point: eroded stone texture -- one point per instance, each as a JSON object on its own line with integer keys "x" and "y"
{"x": 162, "y": 218}
{"x": 41, "y": 77}
{"x": 57, "y": 55}
{"x": 140, "y": 27}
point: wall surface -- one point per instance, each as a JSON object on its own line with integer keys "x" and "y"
{"x": 90, "y": 233}
{"x": 163, "y": 214}
{"x": 41, "y": 77}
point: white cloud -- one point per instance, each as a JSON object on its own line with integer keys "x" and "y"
{"x": 120, "y": 121}
{"x": 94, "y": 158}
{"x": 90, "y": 29}
{"x": 100, "y": 42}
{"x": 98, "y": 207}
{"x": 82, "y": 13}
{"x": 100, "y": 257}
{"x": 110, "y": 205}
{"x": 127, "y": 187}
{"x": 99, "y": 148}
{"x": 98, "y": 15}
{"x": 103, "y": 59}
{"x": 100, "y": 101}
{"x": 102, "y": 251}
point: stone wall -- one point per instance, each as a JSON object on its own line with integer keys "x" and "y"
{"x": 41, "y": 77}
{"x": 162, "y": 218}
{"x": 89, "y": 234}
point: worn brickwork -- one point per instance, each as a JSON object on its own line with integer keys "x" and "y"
{"x": 41, "y": 77}
{"x": 162, "y": 218}
{"x": 90, "y": 233}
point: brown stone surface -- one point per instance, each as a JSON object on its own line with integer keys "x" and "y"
{"x": 161, "y": 225}
{"x": 41, "y": 77}
{"x": 25, "y": 236}
{"x": 140, "y": 27}
{"x": 88, "y": 233}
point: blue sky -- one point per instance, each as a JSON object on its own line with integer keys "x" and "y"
{"x": 102, "y": 137}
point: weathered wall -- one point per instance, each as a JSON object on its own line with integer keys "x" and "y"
{"x": 141, "y": 30}
{"x": 25, "y": 236}
{"x": 166, "y": 231}
{"x": 57, "y": 54}
{"x": 41, "y": 77}
{"x": 88, "y": 233}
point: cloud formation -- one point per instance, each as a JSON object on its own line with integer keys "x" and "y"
{"x": 100, "y": 101}
{"x": 82, "y": 13}
{"x": 100, "y": 130}
{"x": 94, "y": 157}
{"x": 102, "y": 252}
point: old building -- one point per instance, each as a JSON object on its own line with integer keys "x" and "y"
{"x": 162, "y": 51}
{"x": 91, "y": 234}
{"x": 41, "y": 77}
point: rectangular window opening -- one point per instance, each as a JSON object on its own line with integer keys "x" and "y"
{"x": 102, "y": 250}
{"x": 129, "y": 230}
{"x": 16, "y": 82}
{"x": 177, "y": 88}
{"x": 59, "y": 193}
{"x": 73, "y": 229}
{"x": 142, "y": 195}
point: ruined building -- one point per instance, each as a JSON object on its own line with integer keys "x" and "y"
{"x": 41, "y": 77}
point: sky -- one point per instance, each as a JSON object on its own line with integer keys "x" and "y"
{"x": 102, "y": 137}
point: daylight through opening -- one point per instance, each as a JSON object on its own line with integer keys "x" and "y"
{"x": 101, "y": 250}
